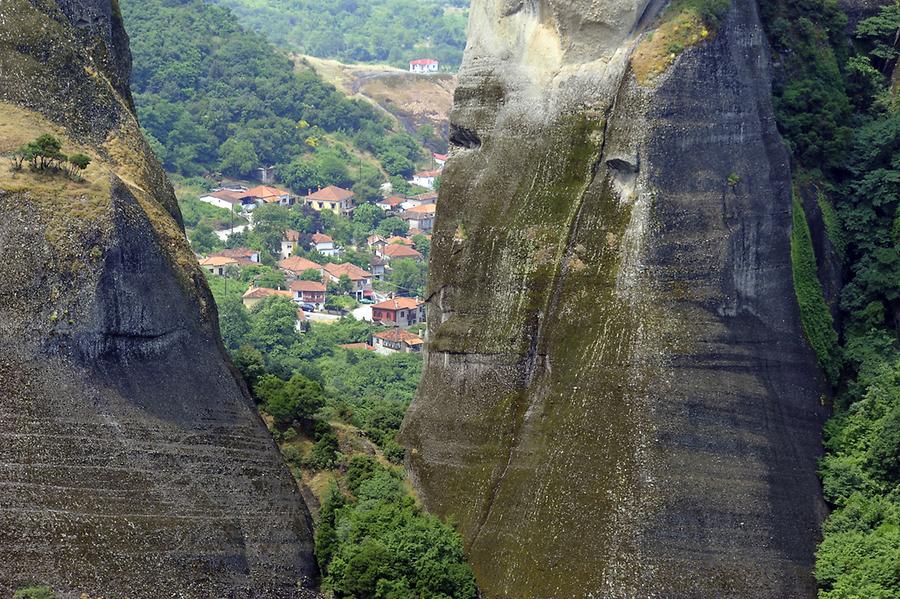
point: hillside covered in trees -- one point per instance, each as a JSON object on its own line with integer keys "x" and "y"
{"x": 378, "y": 31}
{"x": 214, "y": 97}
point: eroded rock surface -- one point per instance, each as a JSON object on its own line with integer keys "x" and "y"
{"x": 618, "y": 398}
{"x": 133, "y": 461}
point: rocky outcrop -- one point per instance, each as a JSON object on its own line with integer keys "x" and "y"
{"x": 618, "y": 398}
{"x": 134, "y": 462}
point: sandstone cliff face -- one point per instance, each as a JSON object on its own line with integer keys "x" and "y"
{"x": 618, "y": 398}
{"x": 134, "y": 464}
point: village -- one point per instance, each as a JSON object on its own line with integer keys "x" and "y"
{"x": 328, "y": 280}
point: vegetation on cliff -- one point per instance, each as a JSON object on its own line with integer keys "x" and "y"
{"x": 837, "y": 111}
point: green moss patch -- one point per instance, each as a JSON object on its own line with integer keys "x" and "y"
{"x": 818, "y": 323}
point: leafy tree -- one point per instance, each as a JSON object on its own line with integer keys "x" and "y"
{"x": 233, "y": 322}
{"x": 311, "y": 274}
{"x": 294, "y": 400}
{"x": 237, "y": 157}
{"x": 204, "y": 240}
{"x": 250, "y": 362}
{"x": 273, "y": 324}
{"x": 408, "y": 276}
{"x": 367, "y": 217}
{"x": 392, "y": 226}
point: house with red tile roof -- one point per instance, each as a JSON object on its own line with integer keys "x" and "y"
{"x": 255, "y": 295}
{"x": 297, "y": 265}
{"x": 289, "y": 241}
{"x": 309, "y": 292}
{"x": 423, "y": 66}
{"x": 397, "y": 251}
{"x": 426, "y": 179}
{"x": 333, "y": 198}
{"x": 400, "y": 312}
{"x": 224, "y": 198}
{"x": 244, "y": 256}
{"x": 324, "y": 244}
{"x": 420, "y": 217}
{"x": 391, "y": 204}
{"x": 264, "y": 194}
{"x": 397, "y": 341}
{"x": 360, "y": 279}
{"x": 357, "y": 346}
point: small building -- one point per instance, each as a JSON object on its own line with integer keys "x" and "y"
{"x": 391, "y": 204}
{"x": 265, "y": 174}
{"x": 226, "y": 199}
{"x": 396, "y": 251}
{"x": 375, "y": 242}
{"x": 360, "y": 279}
{"x": 297, "y": 265}
{"x": 377, "y": 265}
{"x": 400, "y": 312}
{"x": 264, "y": 194}
{"x": 289, "y": 241}
{"x": 243, "y": 256}
{"x": 397, "y": 341}
{"x": 324, "y": 244}
{"x": 429, "y": 197}
{"x": 218, "y": 265}
{"x": 424, "y": 66}
{"x": 332, "y": 198}
{"x": 357, "y": 346}
{"x": 426, "y": 179}
{"x": 420, "y": 217}
{"x": 440, "y": 159}
{"x": 309, "y": 292}
{"x": 253, "y": 296}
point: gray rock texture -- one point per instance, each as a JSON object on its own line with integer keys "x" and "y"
{"x": 618, "y": 398}
{"x": 132, "y": 460}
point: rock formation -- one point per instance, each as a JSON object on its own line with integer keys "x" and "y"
{"x": 618, "y": 398}
{"x": 134, "y": 463}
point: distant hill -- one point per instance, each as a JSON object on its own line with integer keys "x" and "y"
{"x": 214, "y": 97}
{"x": 421, "y": 103}
{"x": 372, "y": 31}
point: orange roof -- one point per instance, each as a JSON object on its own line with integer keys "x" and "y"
{"x": 311, "y": 286}
{"x": 424, "y": 209}
{"x": 396, "y": 239}
{"x": 351, "y": 270}
{"x": 218, "y": 261}
{"x": 332, "y": 193}
{"x": 261, "y": 292}
{"x": 291, "y": 235}
{"x": 399, "y": 303}
{"x": 400, "y": 335}
{"x": 322, "y": 238}
{"x": 364, "y": 346}
{"x": 298, "y": 264}
{"x": 400, "y": 251}
{"x": 392, "y": 201}
{"x": 264, "y": 191}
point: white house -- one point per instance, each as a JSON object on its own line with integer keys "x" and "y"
{"x": 423, "y": 65}
{"x": 397, "y": 341}
{"x": 426, "y": 179}
{"x": 324, "y": 244}
{"x": 224, "y": 198}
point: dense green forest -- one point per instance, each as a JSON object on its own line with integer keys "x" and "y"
{"x": 382, "y": 31}
{"x": 841, "y": 120}
{"x": 213, "y": 97}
